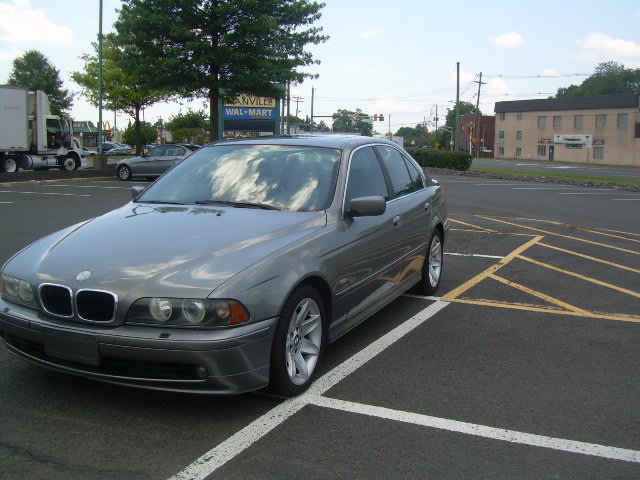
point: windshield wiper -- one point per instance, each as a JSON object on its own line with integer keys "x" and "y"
{"x": 264, "y": 206}
{"x": 160, "y": 201}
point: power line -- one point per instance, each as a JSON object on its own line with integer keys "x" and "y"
{"x": 517, "y": 77}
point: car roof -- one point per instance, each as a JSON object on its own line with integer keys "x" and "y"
{"x": 340, "y": 141}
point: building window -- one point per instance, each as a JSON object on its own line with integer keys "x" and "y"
{"x": 637, "y": 135}
{"x": 557, "y": 121}
{"x": 578, "y": 121}
{"x": 542, "y": 122}
{"x": 502, "y": 115}
{"x": 519, "y": 135}
{"x": 598, "y": 153}
{"x": 518, "y": 152}
{"x": 542, "y": 150}
{"x": 501, "y": 151}
{"x": 519, "y": 115}
{"x": 601, "y": 120}
{"x": 623, "y": 118}
{"x": 461, "y": 128}
{"x": 501, "y": 134}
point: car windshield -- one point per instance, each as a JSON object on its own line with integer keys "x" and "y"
{"x": 283, "y": 177}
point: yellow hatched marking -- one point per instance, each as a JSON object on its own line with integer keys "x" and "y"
{"x": 561, "y": 235}
{"x": 547, "y": 298}
{"x": 621, "y": 317}
{"x": 571, "y": 252}
{"x": 582, "y": 277}
{"x": 483, "y": 229}
{"x": 456, "y": 292}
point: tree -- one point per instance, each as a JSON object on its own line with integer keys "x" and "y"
{"x": 148, "y": 134}
{"x": 349, "y": 121}
{"x": 610, "y": 78}
{"x": 190, "y": 119}
{"x": 123, "y": 89}
{"x": 34, "y": 71}
{"x": 200, "y": 48}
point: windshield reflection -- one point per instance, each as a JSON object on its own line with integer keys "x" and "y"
{"x": 286, "y": 177}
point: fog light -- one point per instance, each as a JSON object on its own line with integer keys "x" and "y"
{"x": 202, "y": 372}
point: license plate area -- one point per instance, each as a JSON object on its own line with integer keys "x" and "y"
{"x": 76, "y": 347}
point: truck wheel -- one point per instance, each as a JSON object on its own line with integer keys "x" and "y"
{"x": 70, "y": 163}
{"x": 8, "y": 165}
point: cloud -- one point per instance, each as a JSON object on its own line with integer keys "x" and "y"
{"x": 18, "y": 14}
{"x": 598, "y": 47}
{"x": 508, "y": 40}
{"x": 370, "y": 32}
{"x": 550, "y": 72}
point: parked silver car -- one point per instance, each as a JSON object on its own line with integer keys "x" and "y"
{"x": 234, "y": 270}
{"x": 155, "y": 162}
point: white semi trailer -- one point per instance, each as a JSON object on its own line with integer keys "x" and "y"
{"x": 30, "y": 137}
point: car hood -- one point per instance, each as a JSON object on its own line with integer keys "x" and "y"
{"x": 161, "y": 250}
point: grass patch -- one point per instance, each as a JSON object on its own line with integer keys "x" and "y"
{"x": 567, "y": 176}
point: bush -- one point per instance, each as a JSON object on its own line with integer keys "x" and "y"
{"x": 441, "y": 158}
{"x": 190, "y": 135}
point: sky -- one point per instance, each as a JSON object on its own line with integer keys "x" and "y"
{"x": 396, "y": 58}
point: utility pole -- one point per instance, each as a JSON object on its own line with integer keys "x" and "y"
{"x": 289, "y": 107}
{"x": 477, "y": 126}
{"x": 311, "y": 126}
{"x": 455, "y": 132}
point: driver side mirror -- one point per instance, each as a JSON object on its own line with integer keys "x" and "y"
{"x": 136, "y": 191}
{"x": 366, "y": 207}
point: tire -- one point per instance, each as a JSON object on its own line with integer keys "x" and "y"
{"x": 8, "y": 165}
{"x": 124, "y": 172}
{"x": 298, "y": 344}
{"x": 70, "y": 163}
{"x": 432, "y": 267}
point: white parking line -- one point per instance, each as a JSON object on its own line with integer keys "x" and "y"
{"x": 46, "y": 193}
{"x": 237, "y": 443}
{"x": 483, "y": 431}
{"x": 477, "y": 255}
{"x": 243, "y": 439}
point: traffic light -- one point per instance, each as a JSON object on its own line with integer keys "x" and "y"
{"x": 381, "y": 117}
{"x": 471, "y": 130}
{"x": 357, "y": 116}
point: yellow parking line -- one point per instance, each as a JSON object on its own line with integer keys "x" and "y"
{"x": 560, "y": 235}
{"x": 571, "y": 252}
{"x": 546, "y": 298}
{"x": 581, "y": 277}
{"x": 456, "y": 292}
{"x": 474, "y": 226}
{"x": 620, "y": 317}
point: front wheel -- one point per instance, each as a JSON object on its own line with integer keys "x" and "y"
{"x": 298, "y": 345}
{"x": 70, "y": 163}
{"x": 432, "y": 267}
{"x": 124, "y": 172}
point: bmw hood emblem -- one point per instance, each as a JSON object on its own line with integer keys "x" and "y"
{"x": 82, "y": 276}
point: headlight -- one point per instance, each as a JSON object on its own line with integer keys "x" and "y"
{"x": 196, "y": 312}
{"x": 16, "y": 290}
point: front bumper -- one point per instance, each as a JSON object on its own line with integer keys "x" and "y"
{"x": 233, "y": 360}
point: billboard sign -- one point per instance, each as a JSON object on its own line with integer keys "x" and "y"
{"x": 573, "y": 139}
{"x": 250, "y": 107}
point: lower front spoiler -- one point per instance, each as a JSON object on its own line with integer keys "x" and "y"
{"x": 224, "y": 368}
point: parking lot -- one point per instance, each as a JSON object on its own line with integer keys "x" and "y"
{"x": 525, "y": 365}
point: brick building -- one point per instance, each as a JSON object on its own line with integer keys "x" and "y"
{"x": 485, "y": 134}
{"x": 600, "y": 129}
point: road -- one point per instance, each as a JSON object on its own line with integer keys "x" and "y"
{"x": 524, "y": 367}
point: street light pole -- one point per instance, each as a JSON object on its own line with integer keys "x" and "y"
{"x": 100, "y": 80}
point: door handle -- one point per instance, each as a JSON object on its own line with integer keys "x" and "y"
{"x": 396, "y": 221}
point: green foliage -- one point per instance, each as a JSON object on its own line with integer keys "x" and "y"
{"x": 190, "y": 135}
{"x": 148, "y": 134}
{"x": 197, "y": 48}
{"x": 190, "y": 119}
{"x": 345, "y": 121}
{"x": 123, "y": 89}
{"x": 610, "y": 78}
{"x": 441, "y": 158}
{"x": 34, "y": 71}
